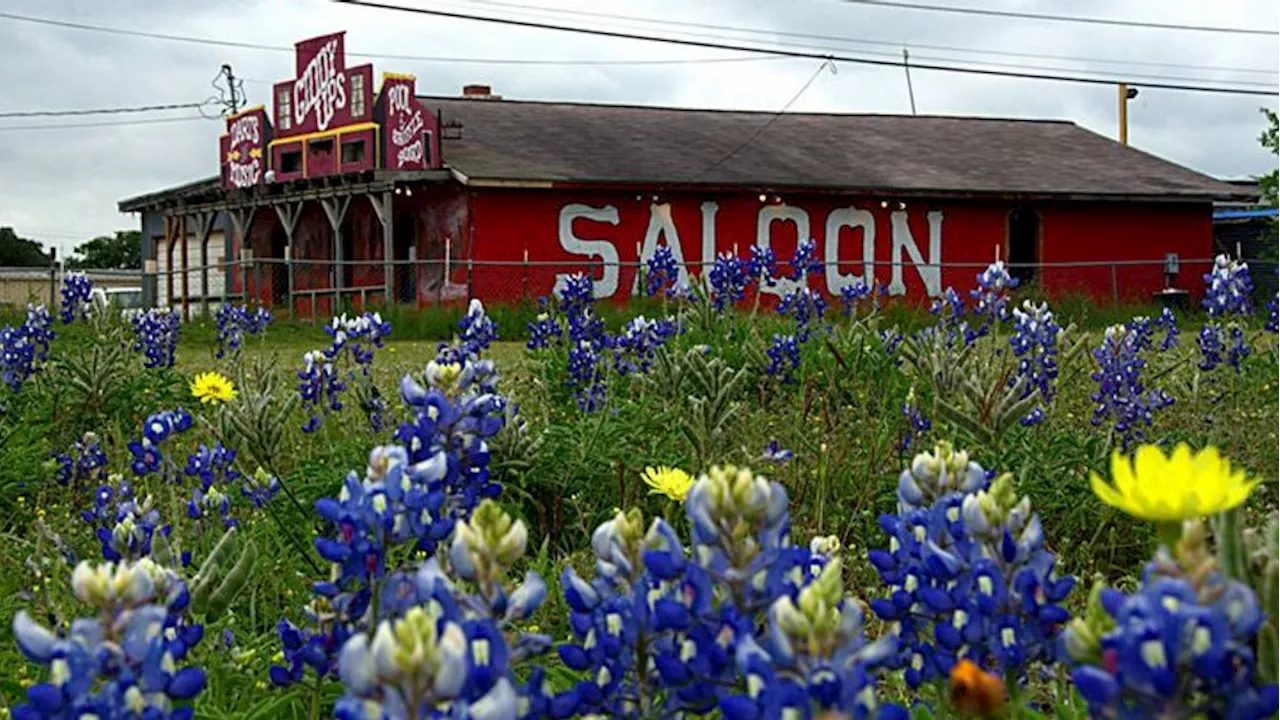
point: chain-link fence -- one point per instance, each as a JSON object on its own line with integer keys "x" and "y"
{"x": 319, "y": 288}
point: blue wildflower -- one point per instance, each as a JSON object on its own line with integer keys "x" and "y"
{"x": 1228, "y": 288}
{"x": 805, "y": 307}
{"x": 805, "y": 260}
{"x": 728, "y": 279}
{"x": 762, "y": 266}
{"x": 77, "y": 297}
{"x": 156, "y": 336}
{"x": 85, "y": 461}
{"x": 1122, "y": 400}
{"x": 661, "y": 272}
{"x": 784, "y": 358}
{"x": 478, "y": 331}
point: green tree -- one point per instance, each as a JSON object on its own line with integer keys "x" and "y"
{"x": 121, "y": 252}
{"x": 20, "y": 252}
{"x": 1270, "y": 139}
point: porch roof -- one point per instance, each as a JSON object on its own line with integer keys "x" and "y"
{"x": 209, "y": 194}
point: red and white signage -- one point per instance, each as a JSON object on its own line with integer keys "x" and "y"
{"x": 408, "y": 128}
{"x": 243, "y": 148}
{"x": 326, "y": 94}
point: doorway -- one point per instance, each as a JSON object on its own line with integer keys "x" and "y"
{"x": 404, "y": 237}
{"x": 278, "y": 278}
{"x": 1023, "y": 236}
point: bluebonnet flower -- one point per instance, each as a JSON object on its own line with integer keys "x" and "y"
{"x": 77, "y": 297}
{"x": 361, "y": 335}
{"x": 1273, "y": 311}
{"x": 17, "y": 356}
{"x": 1180, "y": 646}
{"x": 212, "y": 468}
{"x": 259, "y": 488}
{"x": 784, "y": 358}
{"x": 156, "y": 336}
{"x": 805, "y": 260}
{"x": 918, "y": 424}
{"x": 805, "y": 307}
{"x": 1122, "y": 400}
{"x": 968, "y": 572}
{"x": 635, "y": 347}
{"x": 661, "y": 272}
{"x": 121, "y": 662}
{"x": 950, "y": 306}
{"x": 991, "y": 297}
{"x": 853, "y": 294}
{"x": 1210, "y": 343}
{"x": 1035, "y": 343}
{"x": 1227, "y": 288}
{"x": 742, "y": 622}
{"x": 577, "y": 294}
{"x": 83, "y": 462}
{"x": 320, "y": 387}
{"x": 762, "y": 266}
{"x": 39, "y": 329}
{"x": 157, "y": 428}
{"x": 1168, "y": 322}
{"x": 587, "y": 342}
{"x": 586, "y": 376}
{"x": 123, "y": 524}
{"x": 544, "y": 329}
{"x": 776, "y": 454}
{"x": 235, "y": 322}
{"x": 728, "y": 280}
{"x": 478, "y": 331}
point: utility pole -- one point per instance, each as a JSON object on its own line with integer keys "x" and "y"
{"x": 233, "y": 105}
{"x": 1124, "y": 94}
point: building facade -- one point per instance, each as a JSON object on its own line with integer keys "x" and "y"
{"x": 343, "y": 194}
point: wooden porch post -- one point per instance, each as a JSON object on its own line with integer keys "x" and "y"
{"x": 382, "y": 208}
{"x": 289, "y": 214}
{"x": 204, "y": 227}
{"x": 336, "y": 210}
{"x": 241, "y": 221}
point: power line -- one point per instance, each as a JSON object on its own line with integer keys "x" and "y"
{"x": 860, "y": 41}
{"x": 804, "y": 54}
{"x": 101, "y": 111}
{"x": 1062, "y": 18}
{"x": 766, "y": 125}
{"x": 70, "y": 126}
{"x": 609, "y": 62}
{"x": 376, "y": 56}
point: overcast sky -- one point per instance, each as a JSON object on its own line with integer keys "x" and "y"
{"x": 61, "y": 186}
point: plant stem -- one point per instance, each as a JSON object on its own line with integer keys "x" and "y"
{"x": 1168, "y": 533}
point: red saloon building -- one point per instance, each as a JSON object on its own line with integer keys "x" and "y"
{"x": 341, "y": 192}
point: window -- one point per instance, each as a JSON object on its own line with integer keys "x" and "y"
{"x": 322, "y": 147}
{"x": 352, "y": 152}
{"x": 357, "y": 96}
{"x": 291, "y": 161}
{"x": 1024, "y": 244}
{"x": 284, "y": 109}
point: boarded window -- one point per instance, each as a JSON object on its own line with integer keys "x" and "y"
{"x": 357, "y": 96}
{"x": 284, "y": 109}
{"x": 352, "y": 152}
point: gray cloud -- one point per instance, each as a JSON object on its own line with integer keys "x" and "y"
{"x": 62, "y": 185}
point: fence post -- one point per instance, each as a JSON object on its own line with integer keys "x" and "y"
{"x": 413, "y": 272}
{"x": 246, "y": 256}
{"x": 53, "y": 278}
{"x": 1115, "y": 286}
{"x": 470, "y": 291}
{"x": 257, "y": 281}
{"x": 288, "y": 269}
{"x": 524, "y": 277}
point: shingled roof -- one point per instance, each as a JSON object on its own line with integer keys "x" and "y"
{"x": 504, "y": 141}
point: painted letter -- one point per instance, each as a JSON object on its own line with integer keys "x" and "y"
{"x": 661, "y": 226}
{"x": 930, "y": 273}
{"x": 853, "y": 219}
{"x": 607, "y": 285}
{"x": 764, "y": 223}
{"x": 709, "y": 210}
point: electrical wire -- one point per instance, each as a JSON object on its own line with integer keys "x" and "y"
{"x": 101, "y": 111}
{"x": 72, "y": 126}
{"x": 1062, "y": 18}
{"x": 616, "y": 62}
{"x": 766, "y": 125}
{"x": 803, "y": 54}
{"x": 863, "y": 41}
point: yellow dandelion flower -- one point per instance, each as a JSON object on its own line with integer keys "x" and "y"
{"x": 213, "y": 388}
{"x": 672, "y": 482}
{"x": 1180, "y": 486}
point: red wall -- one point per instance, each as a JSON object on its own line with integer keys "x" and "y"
{"x": 507, "y": 222}
{"x": 567, "y": 231}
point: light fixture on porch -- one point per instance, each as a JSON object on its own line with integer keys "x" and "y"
{"x": 397, "y": 191}
{"x": 408, "y": 192}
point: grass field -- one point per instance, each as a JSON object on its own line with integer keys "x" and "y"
{"x": 841, "y": 416}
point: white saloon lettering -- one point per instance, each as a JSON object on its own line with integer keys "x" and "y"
{"x": 662, "y": 230}
{"x": 321, "y": 88}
